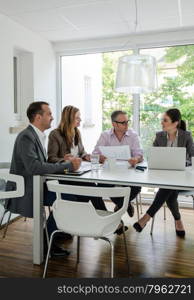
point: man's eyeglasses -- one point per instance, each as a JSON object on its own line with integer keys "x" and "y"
{"x": 123, "y": 123}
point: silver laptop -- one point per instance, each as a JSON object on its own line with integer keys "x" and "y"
{"x": 167, "y": 158}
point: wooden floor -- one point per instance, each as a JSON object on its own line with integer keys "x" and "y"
{"x": 163, "y": 255}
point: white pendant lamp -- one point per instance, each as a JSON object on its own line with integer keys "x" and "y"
{"x": 136, "y": 74}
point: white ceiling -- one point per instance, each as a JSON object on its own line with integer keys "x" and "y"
{"x": 67, "y": 20}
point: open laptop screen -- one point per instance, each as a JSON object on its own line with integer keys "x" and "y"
{"x": 167, "y": 158}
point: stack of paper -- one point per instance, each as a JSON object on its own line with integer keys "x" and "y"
{"x": 117, "y": 152}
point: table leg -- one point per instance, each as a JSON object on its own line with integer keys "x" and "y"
{"x": 38, "y": 219}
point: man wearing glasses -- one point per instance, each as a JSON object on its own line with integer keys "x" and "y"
{"x": 120, "y": 135}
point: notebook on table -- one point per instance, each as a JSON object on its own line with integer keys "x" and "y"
{"x": 84, "y": 168}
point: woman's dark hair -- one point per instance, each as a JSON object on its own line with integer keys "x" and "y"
{"x": 175, "y": 115}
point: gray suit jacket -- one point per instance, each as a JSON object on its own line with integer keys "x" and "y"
{"x": 28, "y": 159}
{"x": 184, "y": 140}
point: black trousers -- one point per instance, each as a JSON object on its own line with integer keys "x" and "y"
{"x": 50, "y": 197}
{"x": 168, "y": 196}
{"x": 135, "y": 190}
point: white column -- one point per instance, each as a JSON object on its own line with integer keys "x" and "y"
{"x": 136, "y": 110}
{"x": 136, "y": 105}
{"x": 58, "y": 89}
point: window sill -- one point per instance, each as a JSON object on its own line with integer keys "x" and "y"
{"x": 88, "y": 125}
{"x": 16, "y": 129}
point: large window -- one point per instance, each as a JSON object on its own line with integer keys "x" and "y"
{"x": 90, "y": 78}
{"x": 175, "y": 70}
{"x": 82, "y": 87}
{"x": 175, "y": 89}
{"x": 23, "y": 84}
{"x": 113, "y": 100}
{"x": 85, "y": 76}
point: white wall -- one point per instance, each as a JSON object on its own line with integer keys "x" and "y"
{"x": 12, "y": 35}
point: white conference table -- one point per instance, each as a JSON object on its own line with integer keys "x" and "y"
{"x": 179, "y": 180}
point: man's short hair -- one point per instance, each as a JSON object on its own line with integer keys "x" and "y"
{"x": 35, "y": 108}
{"x": 115, "y": 114}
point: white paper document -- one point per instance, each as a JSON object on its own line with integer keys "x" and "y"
{"x": 117, "y": 152}
{"x": 85, "y": 165}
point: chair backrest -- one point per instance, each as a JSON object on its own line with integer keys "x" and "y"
{"x": 19, "y": 180}
{"x": 81, "y": 218}
{"x": 6, "y": 166}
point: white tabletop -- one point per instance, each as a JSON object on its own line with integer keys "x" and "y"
{"x": 180, "y": 180}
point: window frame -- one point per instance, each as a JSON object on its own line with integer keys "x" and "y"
{"x": 17, "y": 87}
{"x": 135, "y": 42}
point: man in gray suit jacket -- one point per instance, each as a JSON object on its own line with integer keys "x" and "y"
{"x": 29, "y": 158}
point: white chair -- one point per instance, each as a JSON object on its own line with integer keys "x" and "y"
{"x": 19, "y": 192}
{"x": 83, "y": 220}
{"x": 5, "y": 165}
{"x": 187, "y": 194}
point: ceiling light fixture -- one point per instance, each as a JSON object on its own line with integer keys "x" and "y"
{"x": 136, "y": 73}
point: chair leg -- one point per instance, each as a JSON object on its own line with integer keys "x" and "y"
{"x": 6, "y": 226}
{"x": 112, "y": 255}
{"x": 47, "y": 236}
{"x": 125, "y": 244}
{"x": 137, "y": 205}
{"x": 5, "y": 211}
{"x": 48, "y": 253}
{"x": 152, "y": 225}
{"x": 78, "y": 249}
{"x": 45, "y": 226}
{"x": 164, "y": 211}
{"x": 140, "y": 202}
{"x": 193, "y": 200}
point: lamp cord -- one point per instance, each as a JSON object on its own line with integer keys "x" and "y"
{"x": 135, "y": 23}
{"x": 136, "y": 16}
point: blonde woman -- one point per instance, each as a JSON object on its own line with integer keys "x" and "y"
{"x": 65, "y": 143}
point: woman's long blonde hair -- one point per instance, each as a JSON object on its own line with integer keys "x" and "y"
{"x": 66, "y": 127}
